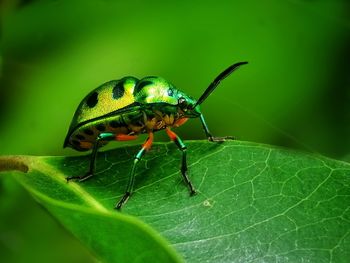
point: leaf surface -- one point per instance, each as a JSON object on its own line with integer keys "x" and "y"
{"x": 255, "y": 203}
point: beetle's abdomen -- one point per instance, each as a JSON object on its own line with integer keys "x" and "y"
{"x": 83, "y": 138}
{"x": 131, "y": 123}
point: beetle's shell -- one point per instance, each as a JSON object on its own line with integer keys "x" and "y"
{"x": 109, "y": 97}
{"x": 118, "y": 106}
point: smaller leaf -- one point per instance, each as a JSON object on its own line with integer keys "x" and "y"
{"x": 112, "y": 236}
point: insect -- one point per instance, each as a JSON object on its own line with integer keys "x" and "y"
{"x": 119, "y": 110}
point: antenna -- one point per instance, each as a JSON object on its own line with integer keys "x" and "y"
{"x": 217, "y": 80}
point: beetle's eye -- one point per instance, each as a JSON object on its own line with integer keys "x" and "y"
{"x": 170, "y": 92}
{"x": 182, "y": 101}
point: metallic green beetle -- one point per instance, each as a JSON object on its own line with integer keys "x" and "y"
{"x": 121, "y": 109}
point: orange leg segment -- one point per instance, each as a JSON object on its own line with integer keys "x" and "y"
{"x": 172, "y": 135}
{"x": 147, "y": 145}
{"x": 125, "y": 137}
{"x": 179, "y": 122}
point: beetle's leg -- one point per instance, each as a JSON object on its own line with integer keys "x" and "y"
{"x": 146, "y": 146}
{"x": 103, "y": 136}
{"x": 173, "y": 136}
{"x": 210, "y": 137}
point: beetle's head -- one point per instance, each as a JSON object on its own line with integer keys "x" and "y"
{"x": 188, "y": 106}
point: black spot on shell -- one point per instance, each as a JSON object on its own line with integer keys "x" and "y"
{"x": 88, "y": 132}
{"x": 92, "y": 100}
{"x": 141, "y": 85}
{"x": 118, "y": 90}
{"x": 80, "y": 137}
{"x": 101, "y": 127}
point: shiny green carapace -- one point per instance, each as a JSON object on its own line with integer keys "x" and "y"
{"x": 119, "y": 110}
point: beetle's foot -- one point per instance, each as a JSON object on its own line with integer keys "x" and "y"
{"x": 188, "y": 182}
{"x": 80, "y": 178}
{"x": 190, "y": 185}
{"x": 123, "y": 201}
{"x": 193, "y": 192}
{"x": 221, "y": 139}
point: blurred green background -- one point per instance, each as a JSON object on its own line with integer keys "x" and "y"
{"x": 295, "y": 92}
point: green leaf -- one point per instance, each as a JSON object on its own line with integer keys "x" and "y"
{"x": 255, "y": 203}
